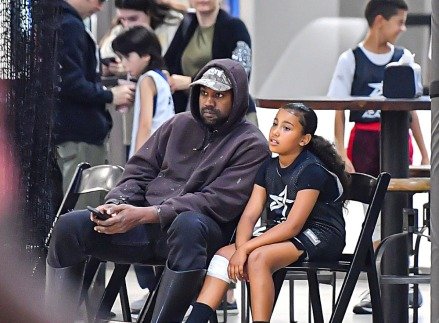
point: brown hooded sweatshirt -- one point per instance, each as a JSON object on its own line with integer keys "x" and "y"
{"x": 185, "y": 166}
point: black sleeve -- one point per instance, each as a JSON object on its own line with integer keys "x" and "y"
{"x": 312, "y": 177}
{"x": 260, "y": 176}
{"x": 74, "y": 84}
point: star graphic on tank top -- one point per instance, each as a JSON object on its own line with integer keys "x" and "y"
{"x": 377, "y": 89}
{"x": 280, "y": 201}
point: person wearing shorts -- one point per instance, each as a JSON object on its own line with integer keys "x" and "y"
{"x": 302, "y": 190}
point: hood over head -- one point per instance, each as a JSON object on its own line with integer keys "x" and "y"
{"x": 236, "y": 77}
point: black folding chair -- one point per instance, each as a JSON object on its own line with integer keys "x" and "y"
{"x": 365, "y": 189}
{"x": 86, "y": 180}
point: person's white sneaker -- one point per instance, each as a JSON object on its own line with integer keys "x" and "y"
{"x": 137, "y": 305}
{"x": 364, "y": 306}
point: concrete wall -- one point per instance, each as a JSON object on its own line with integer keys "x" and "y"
{"x": 273, "y": 23}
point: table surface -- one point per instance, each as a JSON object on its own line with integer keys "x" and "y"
{"x": 351, "y": 103}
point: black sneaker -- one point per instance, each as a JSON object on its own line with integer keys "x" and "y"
{"x": 232, "y": 309}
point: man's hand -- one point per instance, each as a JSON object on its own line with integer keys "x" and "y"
{"x": 123, "y": 94}
{"x": 236, "y": 268}
{"x": 123, "y": 218}
{"x": 179, "y": 82}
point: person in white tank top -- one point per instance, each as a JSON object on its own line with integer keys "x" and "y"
{"x": 140, "y": 53}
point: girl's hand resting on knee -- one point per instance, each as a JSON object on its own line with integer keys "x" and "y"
{"x": 237, "y": 265}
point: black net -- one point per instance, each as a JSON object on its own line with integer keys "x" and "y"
{"x": 28, "y": 70}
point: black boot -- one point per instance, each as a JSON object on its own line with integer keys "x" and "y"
{"x": 63, "y": 291}
{"x": 176, "y": 292}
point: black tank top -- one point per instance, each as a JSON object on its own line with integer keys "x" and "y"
{"x": 328, "y": 213}
{"x": 367, "y": 72}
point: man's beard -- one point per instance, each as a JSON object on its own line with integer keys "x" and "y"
{"x": 212, "y": 116}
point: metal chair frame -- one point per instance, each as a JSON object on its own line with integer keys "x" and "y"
{"x": 410, "y": 230}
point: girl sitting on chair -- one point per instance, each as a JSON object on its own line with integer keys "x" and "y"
{"x": 303, "y": 191}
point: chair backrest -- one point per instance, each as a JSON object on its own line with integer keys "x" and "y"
{"x": 369, "y": 190}
{"x": 87, "y": 179}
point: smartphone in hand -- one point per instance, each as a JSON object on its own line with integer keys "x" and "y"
{"x": 98, "y": 214}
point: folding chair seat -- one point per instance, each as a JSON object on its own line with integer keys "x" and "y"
{"x": 365, "y": 189}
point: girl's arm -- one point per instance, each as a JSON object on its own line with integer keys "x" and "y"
{"x": 250, "y": 216}
{"x": 147, "y": 91}
{"x": 305, "y": 201}
{"x": 417, "y": 134}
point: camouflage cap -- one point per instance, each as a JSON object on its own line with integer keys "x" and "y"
{"x": 215, "y": 79}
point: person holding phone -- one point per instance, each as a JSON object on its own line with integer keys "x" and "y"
{"x": 179, "y": 199}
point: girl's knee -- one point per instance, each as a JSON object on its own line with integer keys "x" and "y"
{"x": 226, "y": 251}
{"x": 256, "y": 259}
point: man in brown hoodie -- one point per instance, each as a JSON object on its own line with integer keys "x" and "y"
{"x": 180, "y": 196}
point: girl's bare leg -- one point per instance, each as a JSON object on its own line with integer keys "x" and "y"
{"x": 213, "y": 289}
{"x": 261, "y": 264}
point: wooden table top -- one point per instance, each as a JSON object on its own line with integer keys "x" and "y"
{"x": 410, "y": 185}
{"x": 351, "y": 103}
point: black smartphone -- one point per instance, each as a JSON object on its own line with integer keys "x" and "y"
{"x": 106, "y": 61}
{"x": 98, "y": 214}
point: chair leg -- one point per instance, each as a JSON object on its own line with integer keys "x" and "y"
{"x": 224, "y": 302}
{"x": 415, "y": 302}
{"x": 247, "y": 312}
{"x": 315, "y": 296}
{"x": 124, "y": 302}
{"x": 375, "y": 295}
{"x": 91, "y": 268}
{"x": 291, "y": 300}
{"x": 244, "y": 302}
{"x": 334, "y": 288}
{"x": 345, "y": 296}
{"x": 112, "y": 289}
{"x": 145, "y": 314}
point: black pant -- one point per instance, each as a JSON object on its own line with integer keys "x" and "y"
{"x": 189, "y": 243}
